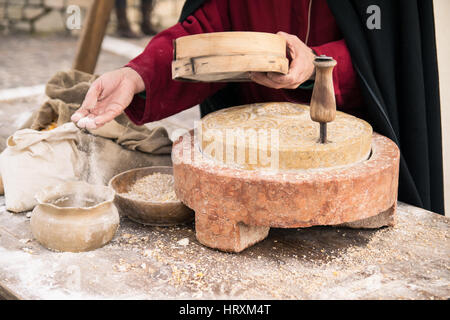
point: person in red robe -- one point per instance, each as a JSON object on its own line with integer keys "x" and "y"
{"x": 145, "y": 91}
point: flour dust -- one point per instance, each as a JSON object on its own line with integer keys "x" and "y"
{"x": 90, "y": 170}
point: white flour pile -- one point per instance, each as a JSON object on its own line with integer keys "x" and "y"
{"x": 154, "y": 187}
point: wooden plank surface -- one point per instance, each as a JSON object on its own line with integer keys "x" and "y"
{"x": 409, "y": 261}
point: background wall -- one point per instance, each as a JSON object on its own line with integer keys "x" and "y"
{"x": 442, "y": 22}
{"x": 42, "y": 16}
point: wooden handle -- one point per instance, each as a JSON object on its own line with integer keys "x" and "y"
{"x": 323, "y": 101}
{"x": 90, "y": 41}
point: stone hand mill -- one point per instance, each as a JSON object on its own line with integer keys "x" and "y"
{"x": 248, "y": 168}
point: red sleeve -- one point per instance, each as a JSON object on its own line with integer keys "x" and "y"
{"x": 164, "y": 96}
{"x": 346, "y": 87}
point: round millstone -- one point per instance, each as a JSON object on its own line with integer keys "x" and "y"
{"x": 282, "y": 136}
{"x": 235, "y": 208}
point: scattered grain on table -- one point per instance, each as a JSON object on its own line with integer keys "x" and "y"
{"x": 304, "y": 264}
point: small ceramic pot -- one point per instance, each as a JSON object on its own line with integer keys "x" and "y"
{"x": 74, "y": 216}
{"x": 155, "y": 213}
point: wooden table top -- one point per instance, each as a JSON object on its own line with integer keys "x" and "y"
{"x": 409, "y": 261}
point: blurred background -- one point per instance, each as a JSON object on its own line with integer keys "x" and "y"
{"x": 35, "y": 43}
{"x": 49, "y": 16}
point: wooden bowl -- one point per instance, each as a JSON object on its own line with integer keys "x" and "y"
{"x": 228, "y": 56}
{"x": 155, "y": 213}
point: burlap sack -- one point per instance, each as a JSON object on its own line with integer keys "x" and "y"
{"x": 66, "y": 91}
{"x": 69, "y": 86}
{"x": 102, "y": 159}
{"x": 118, "y": 146}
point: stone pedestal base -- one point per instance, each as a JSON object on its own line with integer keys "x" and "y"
{"x": 226, "y": 235}
{"x": 386, "y": 218}
{"x": 235, "y": 208}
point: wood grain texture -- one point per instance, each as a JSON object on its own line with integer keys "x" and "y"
{"x": 228, "y": 56}
{"x": 91, "y": 38}
{"x": 312, "y": 263}
{"x": 227, "y": 68}
{"x": 323, "y": 101}
{"x": 229, "y": 43}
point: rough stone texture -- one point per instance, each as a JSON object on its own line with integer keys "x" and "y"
{"x": 52, "y": 21}
{"x": 31, "y": 13}
{"x": 55, "y": 3}
{"x": 223, "y": 197}
{"x": 386, "y": 218}
{"x": 281, "y": 135}
{"x": 221, "y": 233}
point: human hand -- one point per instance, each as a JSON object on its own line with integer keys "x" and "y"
{"x": 301, "y": 67}
{"x": 107, "y": 97}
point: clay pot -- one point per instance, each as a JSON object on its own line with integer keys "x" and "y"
{"x": 164, "y": 213}
{"x": 74, "y": 216}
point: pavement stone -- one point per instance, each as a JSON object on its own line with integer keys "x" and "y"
{"x": 31, "y": 60}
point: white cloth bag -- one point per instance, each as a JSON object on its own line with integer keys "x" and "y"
{"x": 34, "y": 159}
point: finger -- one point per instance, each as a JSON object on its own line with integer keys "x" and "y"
{"x": 89, "y": 102}
{"x": 80, "y": 113}
{"x": 292, "y": 79}
{"x": 92, "y": 96}
{"x": 297, "y": 73}
{"x": 286, "y": 82}
{"x": 87, "y": 122}
{"x": 284, "y": 35}
{"x": 82, "y": 122}
{"x": 300, "y": 69}
{"x": 282, "y": 79}
{"x": 262, "y": 79}
{"x": 106, "y": 117}
{"x": 91, "y": 124}
{"x": 291, "y": 40}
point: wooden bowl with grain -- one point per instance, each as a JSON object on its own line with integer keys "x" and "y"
{"x": 167, "y": 212}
